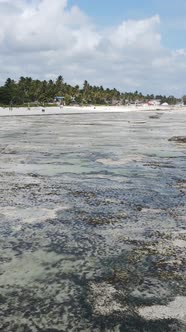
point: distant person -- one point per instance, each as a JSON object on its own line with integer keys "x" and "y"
{"x": 11, "y": 107}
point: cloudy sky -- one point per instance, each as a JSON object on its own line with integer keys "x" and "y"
{"x": 127, "y": 44}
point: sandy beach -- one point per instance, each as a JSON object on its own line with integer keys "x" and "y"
{"x": 82, "y": 109}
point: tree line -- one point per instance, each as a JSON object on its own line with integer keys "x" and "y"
{"x": 27, "y": 91}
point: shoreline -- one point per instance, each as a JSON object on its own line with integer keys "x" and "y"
{"x": 35, "y": 111}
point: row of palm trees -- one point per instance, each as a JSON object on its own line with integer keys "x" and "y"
{"x": 28, "y": 90}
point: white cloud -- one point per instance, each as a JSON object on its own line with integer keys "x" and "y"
{"x": 44, "y": 38}
{"x": 137, "y": 34}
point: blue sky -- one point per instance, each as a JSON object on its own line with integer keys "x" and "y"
{"x": 172, "y": 14}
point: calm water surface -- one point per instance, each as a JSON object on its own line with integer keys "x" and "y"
{"x": 93, "y": 223}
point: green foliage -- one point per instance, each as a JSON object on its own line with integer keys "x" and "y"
{"x": 5, "y": 95}
{"x": 35, "y": 92}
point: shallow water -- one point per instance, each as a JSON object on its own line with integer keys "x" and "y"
{"x": 92, "y": 223}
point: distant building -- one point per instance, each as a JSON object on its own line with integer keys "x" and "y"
{"x": 59, "y": 100}
{"x": 154, "y": 102}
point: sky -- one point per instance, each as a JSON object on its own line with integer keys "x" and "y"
{"x": 127, "y": 44}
